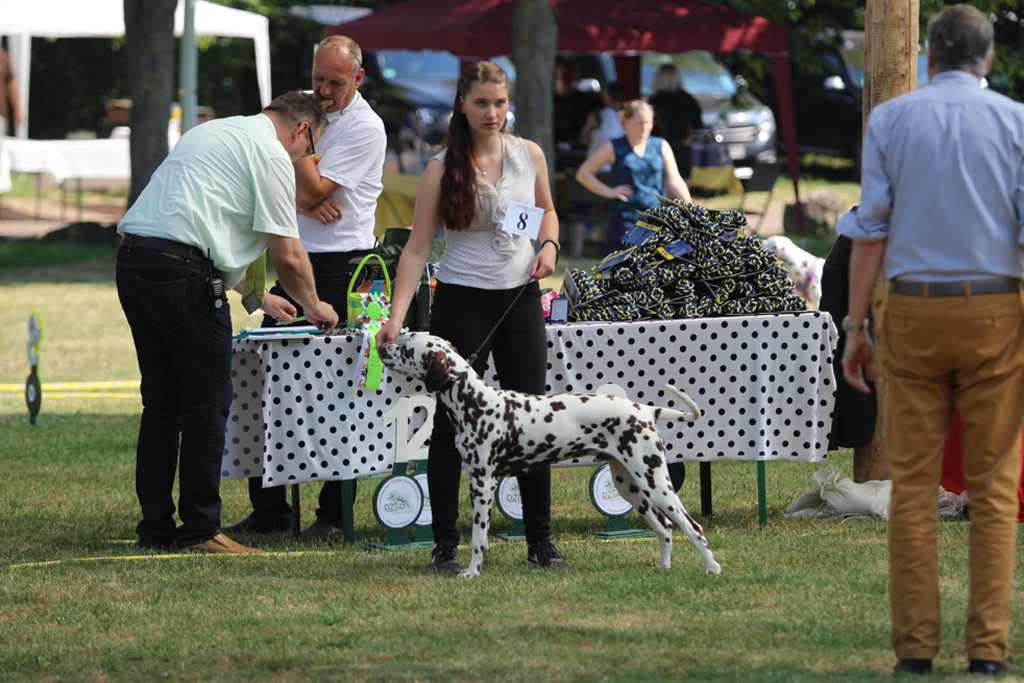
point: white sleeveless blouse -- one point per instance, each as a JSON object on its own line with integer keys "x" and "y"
{"x": 485, "y": 256}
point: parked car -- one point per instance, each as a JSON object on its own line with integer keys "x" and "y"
{"x": 827, "y": 96}
{"x": 413, "y": 92}
{"x": 730, "y": 111}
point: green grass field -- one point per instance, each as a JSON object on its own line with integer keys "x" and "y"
{"x": 797, "y": 601}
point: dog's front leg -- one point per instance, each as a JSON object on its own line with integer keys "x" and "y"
{"x": 481, "y": 490}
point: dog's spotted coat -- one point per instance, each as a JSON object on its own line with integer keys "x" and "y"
{"x": 505, "y": 433}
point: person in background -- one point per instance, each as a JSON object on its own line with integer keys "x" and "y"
{"x": 941, "y": 215}
{"x": 224, "y": 195}
{"x": 9, "y": 109}
{"x": 484, "y": 272}
{"x": 337, "y": 199}
{"x": 570, "y": 108}
{"x": 676, "y": 115}
{"x": 643, "y": 167}
{"x": 604, "y": 124}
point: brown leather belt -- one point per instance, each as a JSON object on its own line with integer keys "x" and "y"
{"x": 168, "y": 246}
{"x": 962, "y": 288}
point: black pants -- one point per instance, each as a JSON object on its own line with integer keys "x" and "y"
{"x": 184, "y": 348}
{"x": 465, "y": 316}
{"x": 332, "y": 272}
{"x": 618, "y": 226}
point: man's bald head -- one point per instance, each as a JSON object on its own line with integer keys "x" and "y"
{"x": 337, "y": 71}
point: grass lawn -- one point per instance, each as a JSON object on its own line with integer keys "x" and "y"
{"x": 798, "y": 601}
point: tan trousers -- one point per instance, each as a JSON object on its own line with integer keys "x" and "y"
{"x": 944, "y": 352}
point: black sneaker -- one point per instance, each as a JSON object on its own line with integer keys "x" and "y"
{"x": 544, "y": 555}
{"x": 445, "y": 558}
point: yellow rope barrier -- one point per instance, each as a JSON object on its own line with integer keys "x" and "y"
{"x": 79, "y": 389}
{"x": 63, "y": 386}
{"x": 169, "y": 556}
{"x": 183, "y": 554}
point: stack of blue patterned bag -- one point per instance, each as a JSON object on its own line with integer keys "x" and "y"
{"x": 685, "y": 262}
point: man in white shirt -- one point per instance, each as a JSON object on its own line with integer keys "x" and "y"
{"x": 337, "y": 191}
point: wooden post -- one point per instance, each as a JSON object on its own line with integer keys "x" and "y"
{"x": 890, "y": 69}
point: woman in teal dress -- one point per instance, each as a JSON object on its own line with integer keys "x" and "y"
{"x": 643, "y": 167}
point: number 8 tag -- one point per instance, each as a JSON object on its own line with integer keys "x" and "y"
{"x": 522, "y": 219}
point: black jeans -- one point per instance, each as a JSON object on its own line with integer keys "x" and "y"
{"x": 465, "y": 316}
{"x": 183, "y": 345}
{"x": 332, "y": 272}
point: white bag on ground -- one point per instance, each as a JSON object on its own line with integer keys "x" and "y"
{"x": 836, "y": 495}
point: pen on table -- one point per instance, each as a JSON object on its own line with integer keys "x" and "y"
{"x": 294, "y": 320}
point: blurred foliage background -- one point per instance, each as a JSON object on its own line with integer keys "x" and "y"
{"x": 809, "y": 19}
{"x": 72, "y": 78}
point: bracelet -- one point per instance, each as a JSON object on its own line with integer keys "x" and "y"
{"x": 558, "y": 247}
{"x": 848, "y": 326}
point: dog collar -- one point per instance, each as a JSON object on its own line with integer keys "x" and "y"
{"x": 450, "y": 383}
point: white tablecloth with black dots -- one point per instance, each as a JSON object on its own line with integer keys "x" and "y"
{"x": 765, "y": 384}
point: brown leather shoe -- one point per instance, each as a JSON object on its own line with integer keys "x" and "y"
{"x": 990, "y": 667}
{"x": 223, "y": 545}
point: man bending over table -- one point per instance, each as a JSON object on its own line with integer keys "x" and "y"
{"x": 224, "y": 195}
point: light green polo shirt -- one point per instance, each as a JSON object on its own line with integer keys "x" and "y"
{"x": 226, "y": 184}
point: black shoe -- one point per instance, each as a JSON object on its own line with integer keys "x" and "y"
{"x": 913, "y": 666}
{"x": 261, "y": 525}
{"x": 990, "y": 667}
{"x": 544, "y": 555}
{"x": 323, "y": 529}
{"x": 445, "y": 558}
{"x": 162, "y": 547}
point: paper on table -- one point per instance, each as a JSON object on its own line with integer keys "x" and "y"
{"x": 281, "y": 332}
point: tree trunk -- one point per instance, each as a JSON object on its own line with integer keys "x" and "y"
{"x": 890, "y": 69}
{"x": 149, "y": 40}
{"x": 534, "y": 41}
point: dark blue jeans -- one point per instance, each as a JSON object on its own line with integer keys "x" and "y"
{"x": 464, "y": 316}
{"x": 183, "y": 345}
{"x": 332, "y": 272}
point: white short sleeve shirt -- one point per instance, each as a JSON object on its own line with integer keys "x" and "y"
{"x": 352, "y": 150}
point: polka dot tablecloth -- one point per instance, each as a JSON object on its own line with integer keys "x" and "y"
{"x": 764, "y": 383}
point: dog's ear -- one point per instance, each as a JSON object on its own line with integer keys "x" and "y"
{"x": 436, "y": 375}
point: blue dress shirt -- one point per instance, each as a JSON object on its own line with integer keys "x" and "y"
{"x": 943, "y": 182}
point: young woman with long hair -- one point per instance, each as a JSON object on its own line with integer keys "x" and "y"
{"x": 467, "y": 188}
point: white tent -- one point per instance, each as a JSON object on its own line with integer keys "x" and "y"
{"x": 21, "y": 20}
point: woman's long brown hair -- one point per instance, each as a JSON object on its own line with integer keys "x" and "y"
{"x": 458, "y": 184}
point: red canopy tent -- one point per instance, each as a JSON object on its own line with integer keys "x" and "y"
{"x": 481, "y": 29}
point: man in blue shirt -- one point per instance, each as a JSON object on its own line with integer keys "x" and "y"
{"x": 942, "y": 215}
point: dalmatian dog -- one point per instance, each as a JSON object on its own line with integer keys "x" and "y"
{"x": 506, "y": 433}
{"x": 804, "y": 267}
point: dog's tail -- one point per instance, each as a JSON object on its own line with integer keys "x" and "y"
{"x": 692, "y": 416}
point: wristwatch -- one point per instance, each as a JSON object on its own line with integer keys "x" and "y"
{"x": 850, "y": 327}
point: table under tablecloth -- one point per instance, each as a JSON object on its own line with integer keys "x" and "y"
{"x": 765, "y": 384}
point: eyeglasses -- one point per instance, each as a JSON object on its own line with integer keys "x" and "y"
{"x": 326, "y": 42}
{"x": 312, "y": 147}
